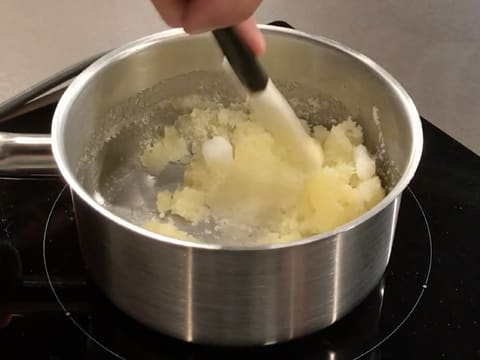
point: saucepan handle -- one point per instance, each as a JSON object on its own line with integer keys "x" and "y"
{"x": 30, "y": 155}
{"x": 26, "y": 155}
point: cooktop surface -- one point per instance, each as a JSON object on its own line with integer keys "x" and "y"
{"x": 426, "y": 305}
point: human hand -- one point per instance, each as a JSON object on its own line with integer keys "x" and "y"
{"x": 197, "y": 16}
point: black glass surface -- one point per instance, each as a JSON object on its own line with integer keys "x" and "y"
{"x": 413, "y": 313}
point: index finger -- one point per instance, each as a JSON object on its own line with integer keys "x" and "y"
{"x": 171, "y": 11}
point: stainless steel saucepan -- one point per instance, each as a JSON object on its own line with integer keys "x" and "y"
{"x": 220, "y": 293}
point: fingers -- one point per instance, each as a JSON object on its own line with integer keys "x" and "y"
{"x": 251, "y": 36}
{"x": 171, "y": 11}
{"x": 197, "y": 16}
{"x": 204, "y": 15}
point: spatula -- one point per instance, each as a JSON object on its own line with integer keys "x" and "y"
{"x": 268, "y": 105}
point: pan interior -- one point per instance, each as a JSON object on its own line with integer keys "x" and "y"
{"x": 112, "y": 173}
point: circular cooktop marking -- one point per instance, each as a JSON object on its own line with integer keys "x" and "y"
{"x": 422, "y": 290}
{"x": 67, "y": 313}
{"x": 382, "y": 340}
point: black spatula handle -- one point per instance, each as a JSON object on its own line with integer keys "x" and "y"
{"x": 242, "y": 60}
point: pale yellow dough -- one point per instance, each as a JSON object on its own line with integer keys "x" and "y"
{"x": 264, "y": 186}
{"x": 168, "y": 229}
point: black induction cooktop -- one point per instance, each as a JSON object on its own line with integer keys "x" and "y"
{"x": 425, "y": 307}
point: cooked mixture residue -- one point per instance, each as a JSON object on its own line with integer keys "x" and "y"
{"x": 237, "y": 174}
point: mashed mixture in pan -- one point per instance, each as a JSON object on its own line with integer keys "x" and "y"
{"x": 236, "y": 173}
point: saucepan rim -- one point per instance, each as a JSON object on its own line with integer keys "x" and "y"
{"x": 78, "y": 86}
